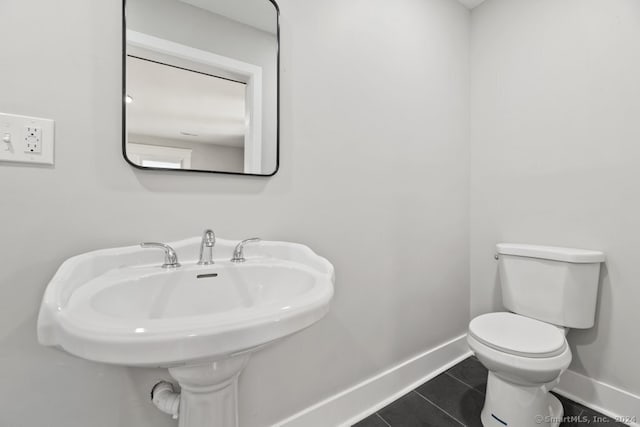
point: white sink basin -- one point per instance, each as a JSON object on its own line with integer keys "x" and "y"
{"x": 118, "y": 306}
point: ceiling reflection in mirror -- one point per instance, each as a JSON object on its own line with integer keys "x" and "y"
{"x": 201, "y": 85}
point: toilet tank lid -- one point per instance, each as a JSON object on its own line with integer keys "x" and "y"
{"x": 551, "y": 252}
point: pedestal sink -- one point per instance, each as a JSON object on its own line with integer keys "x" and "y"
{"x": 202, "y": 322}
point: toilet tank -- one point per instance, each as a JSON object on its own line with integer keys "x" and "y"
{"x": 552, "y": 284}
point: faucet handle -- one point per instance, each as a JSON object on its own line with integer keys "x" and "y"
{"x": 170, "y": 255}
{"x": 238, "y": 255}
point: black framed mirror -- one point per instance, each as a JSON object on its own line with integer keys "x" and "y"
{"x": 201, "y": 85}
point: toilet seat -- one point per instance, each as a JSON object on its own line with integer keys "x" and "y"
{"x": 518, "y": 335}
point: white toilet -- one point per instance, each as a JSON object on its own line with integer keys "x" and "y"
{"x": 547, "y": 290}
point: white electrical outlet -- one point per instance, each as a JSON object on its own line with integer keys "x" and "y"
{"x": 26, "y": 139}
{"x": 33, "y": 140}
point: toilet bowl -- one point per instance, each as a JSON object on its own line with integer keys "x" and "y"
{"x": 546, "y": 290}
{"x": 525, "y": 358}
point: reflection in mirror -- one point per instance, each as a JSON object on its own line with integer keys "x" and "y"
{"x": 201, "y": 85}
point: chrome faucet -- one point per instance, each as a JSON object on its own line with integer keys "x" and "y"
{"x": 170, "y": 255}
{"x": 238, "y": 255}
{"x": 206, "y": 247}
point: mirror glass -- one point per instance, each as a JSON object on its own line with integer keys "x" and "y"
{"x": 201, "y": 85}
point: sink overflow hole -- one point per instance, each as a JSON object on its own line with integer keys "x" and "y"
{"x": 204, "y": 276}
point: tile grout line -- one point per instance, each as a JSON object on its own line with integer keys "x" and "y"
{"x": 445, "y": 412}
{"x": 383, "y": 420}
{"x": 462, "y": 382}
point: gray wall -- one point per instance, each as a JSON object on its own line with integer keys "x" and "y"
{"x": 374, "y": 177}
{"x": 555, "y": 154}
{"x": 195, "y": 27}
{"x": 203, "y": 156}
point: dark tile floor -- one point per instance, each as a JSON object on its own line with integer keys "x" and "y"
{"x": 455, "y": 398}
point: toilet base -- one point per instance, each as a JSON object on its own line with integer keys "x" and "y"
{"x": 508, "y": 404}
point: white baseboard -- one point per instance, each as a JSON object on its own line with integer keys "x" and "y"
{"x": 365, "y": 398}
{"x": 601, "y": 397}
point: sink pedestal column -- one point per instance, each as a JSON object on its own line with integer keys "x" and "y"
{"x": 209, "y": 392}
